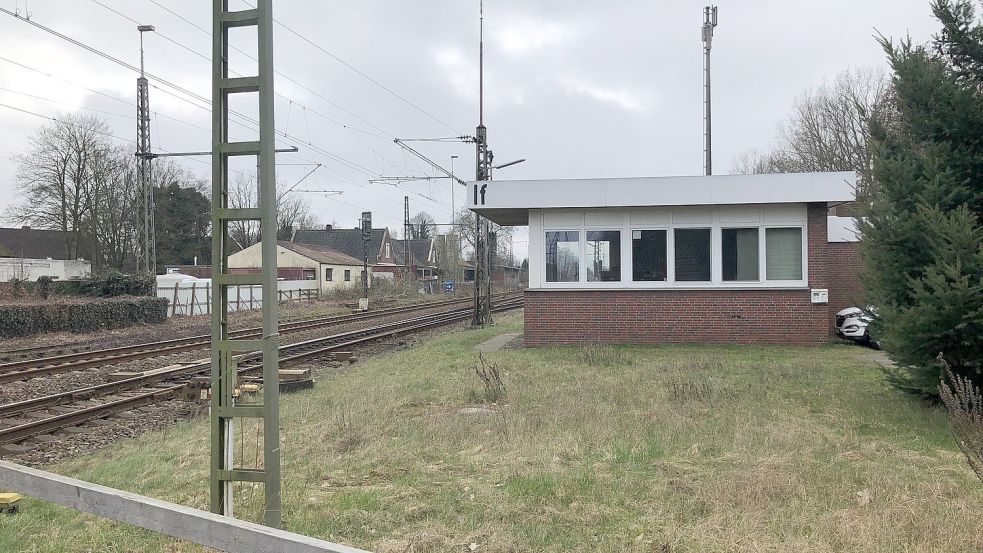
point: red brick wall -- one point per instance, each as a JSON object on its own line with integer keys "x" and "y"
{"x": 555, "y": 317}
{"x": 845, "y": 286}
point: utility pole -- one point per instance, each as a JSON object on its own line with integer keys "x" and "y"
{"x": 709, "y": 22}
{"x": 483, "y": 160}
{"x": 147, "y": 250}
{"x": 455, "y": 241}
{"x": 366, "y": 237}
{"x": 225, "y": 406}
{"x": 406, "y": 237}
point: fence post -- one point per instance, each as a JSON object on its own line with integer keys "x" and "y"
{"x": 238, "y": 297}
{"x": 208, "y": 299}
{"x": 174, "y": 303}
{"x": 251, "y": 297}
{"x": 194, "y": 286}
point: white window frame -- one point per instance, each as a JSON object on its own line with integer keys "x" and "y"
{"x": 583, "y": 255}
{"x": 581, "y": 245}
{"x": 761, "y": 252}
{"x": 716, "y": 227}
{"x": 670, "y": 261}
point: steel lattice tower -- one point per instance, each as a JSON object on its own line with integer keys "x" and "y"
{"x": 225, "y": 407}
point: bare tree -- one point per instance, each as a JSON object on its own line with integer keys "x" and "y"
{"x": 422, "y": 225}
{"x": 55, "y": 176}
{"x": 828, "y": 129}
{"x": 291, "y": 211}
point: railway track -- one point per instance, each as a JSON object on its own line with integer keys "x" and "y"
{"x": 43, "y": 415}
{"x": 91, "y": 358}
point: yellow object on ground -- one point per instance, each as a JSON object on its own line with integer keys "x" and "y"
{"x": 8, "y": 502}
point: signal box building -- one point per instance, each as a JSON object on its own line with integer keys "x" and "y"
{"x": 710, "y": 259}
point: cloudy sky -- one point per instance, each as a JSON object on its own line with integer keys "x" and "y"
{"x": 579, "y": 88}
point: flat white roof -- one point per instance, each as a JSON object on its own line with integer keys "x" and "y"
{"x": 509, "y": 202}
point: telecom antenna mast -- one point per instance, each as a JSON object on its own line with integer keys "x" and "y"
{"x": 147, "y": 250}
{"x": 226, "y": 404}
{"x": 483, "y": 160}
{"x": 709, "y": 22}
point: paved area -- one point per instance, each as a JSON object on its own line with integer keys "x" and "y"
{"x": 498, "y": 342}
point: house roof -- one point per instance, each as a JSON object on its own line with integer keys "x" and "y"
{"x": 346, "y": 241}
{"x": 509, "y": 202}
{"x": 320, "y": 254}
{"x": 32, "y": 243}
{"x": 419, "y": 251}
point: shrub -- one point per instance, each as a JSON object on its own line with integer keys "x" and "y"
{"x": 108, "y": 285}
{"x": 964, "y": 404}
{"x": 27, "y": 320}
{"x": 491, "y": 377}
{"x": 43, "y": 286}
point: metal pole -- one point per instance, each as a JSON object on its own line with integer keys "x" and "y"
{"x": 455, "y": 240}
{"x": 709, "y": 22}
{"x": 406, "y": 237}
{"x": 147, "y": 252}
{"x": 224, "y": 409}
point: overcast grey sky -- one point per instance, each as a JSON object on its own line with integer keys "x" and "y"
{"x": 579, "y": 88}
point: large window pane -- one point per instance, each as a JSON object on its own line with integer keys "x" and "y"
{"x": 563, "y": 256}
{"x": 603, "y": 256}
{"x": 783, "y": 253}
{"x": 739, "y": 253}
{"x": 692, "y": 254}
{"x": 648, "y": 255}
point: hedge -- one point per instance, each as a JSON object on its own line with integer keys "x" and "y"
{"x": 28, "y": 319}
{"x": 109, "y": 285}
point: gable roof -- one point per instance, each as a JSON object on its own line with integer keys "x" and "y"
{"x": 346, "y": 241}
{"x": 320, "y": 254}
{"x": 419, "y": 251}
{"x": 32, "y": 243}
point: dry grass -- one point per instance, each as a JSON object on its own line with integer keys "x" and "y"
{"x": 677, "y": 449}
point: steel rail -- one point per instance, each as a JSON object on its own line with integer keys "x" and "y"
{"x": 351, "y": 338}
{"x": 33, "y": 368}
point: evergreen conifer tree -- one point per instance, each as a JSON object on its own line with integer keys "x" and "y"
{"x": 923, "y": 232}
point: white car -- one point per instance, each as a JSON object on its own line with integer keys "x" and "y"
{"x": 852, "y": 322}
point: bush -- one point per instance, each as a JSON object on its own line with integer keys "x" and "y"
{"x": 43, "y": 286}
{"x": 27, "y": 320}
{"x": 107, "y": 286}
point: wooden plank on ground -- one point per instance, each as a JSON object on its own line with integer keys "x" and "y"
{"x": 177, "y": 521}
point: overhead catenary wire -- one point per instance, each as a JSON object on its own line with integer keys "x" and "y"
{"x": 197, "y": 100}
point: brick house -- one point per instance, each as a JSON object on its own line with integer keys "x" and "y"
{"x": 719, "y": 259}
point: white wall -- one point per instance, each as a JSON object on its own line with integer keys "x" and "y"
{"x": 842, "y": 229}
{"x": 31, "y": 269}
{"x": 653, "y": 218}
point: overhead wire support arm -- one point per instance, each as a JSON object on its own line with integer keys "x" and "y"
{"x": 429, "y": 161}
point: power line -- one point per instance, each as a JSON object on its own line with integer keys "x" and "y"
{"x": 193, "y": 95}
{"x": 356, "y": 70}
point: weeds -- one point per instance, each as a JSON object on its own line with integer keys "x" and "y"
{"x": 348, "y": 434}
{"x": 596, "y": 355}
{"x": 491, "y": 377}
{"x": 684, "y": 389}
{"x": 964, "y": 404}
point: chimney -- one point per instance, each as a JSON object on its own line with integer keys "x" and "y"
{"x": 327, "y": 227}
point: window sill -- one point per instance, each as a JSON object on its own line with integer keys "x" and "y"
{"x": 622, "y": 287}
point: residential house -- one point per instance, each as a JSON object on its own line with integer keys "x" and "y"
{"x": 28, "y": 254}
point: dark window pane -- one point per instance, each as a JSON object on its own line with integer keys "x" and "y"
{"x": 563, "y": 256}
{"x": 603, "y": 256}
{"x": 739, "y": 253}
{"x": 692, "y": 254}
{"x": 648, "y": 255}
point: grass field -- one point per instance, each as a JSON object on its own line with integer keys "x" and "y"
{"x": 695, "y": 449}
